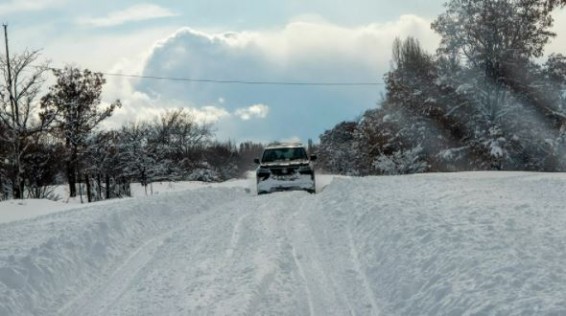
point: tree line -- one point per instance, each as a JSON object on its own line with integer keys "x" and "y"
{"x": 488, "y": 99}
{"x": 54, "y": 138}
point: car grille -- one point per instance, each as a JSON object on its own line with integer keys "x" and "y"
{"x": 284, "y": 171}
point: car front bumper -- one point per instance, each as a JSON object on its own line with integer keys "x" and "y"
{"x": 294, "y": 182}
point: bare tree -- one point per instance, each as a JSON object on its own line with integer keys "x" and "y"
{"x": 19, "y": 111}
{"x": 179, "y": 134}
{"x": 178, "y": 142}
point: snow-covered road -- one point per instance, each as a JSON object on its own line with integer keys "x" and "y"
{"x": 469, "y": 243}
{"x": 250, "y": 255}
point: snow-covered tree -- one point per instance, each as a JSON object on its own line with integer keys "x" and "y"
{"x": 138, "y": 159}
{"x": 43, "y": 165}
{"x": 180, "y": 141}
{"x": 74, "y": 100}
{"x": 100, "y": 163}
{"x": 414, "y": 110}
{"x": 483, "y": 102}
{"x": 551, "y": 4}
{"x": 221, "y": 158}
{"x": 335, "y": 152}
{"x": 401, "y": 162}
{"x": 495, "y": 41}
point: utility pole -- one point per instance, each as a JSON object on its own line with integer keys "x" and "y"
{"x": 17, "y": 187}
{"x": 13, "y": 105}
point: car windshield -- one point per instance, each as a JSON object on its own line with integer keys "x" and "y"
{"x": 275, "y": 154}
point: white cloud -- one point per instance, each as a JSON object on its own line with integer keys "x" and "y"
{"x": 139, "y": 12}
{"x": 28, "y": 5}
{"x": 292, "y": 140}
{"x": 140, "y": 107}
{"x": 315, "y": 40}
{"x": 127, "y": 55}
{"x": 208, "y": 114}
{"x": 558, "y": 44}
{"x": 253, "y": 111}
{"x": 312, "y": 50}
{"x": 301, "y": 51}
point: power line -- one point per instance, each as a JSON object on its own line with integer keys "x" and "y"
{"x": 238, "y": 82}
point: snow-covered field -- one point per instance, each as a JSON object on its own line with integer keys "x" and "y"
{"x": 437, "y": 244}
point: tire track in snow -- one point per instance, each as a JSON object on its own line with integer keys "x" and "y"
{"x": 326, "y": 296}
{"x": 326, "y": 251}
{"x": 300, "y": 268}
{"x": 116, "y": 283}
{"x": 100, "y": 296}
{"x": 344, "y": 296}
{"x": 236, "y": 232}
{"x": 357, "y": 266}
{"x": 238, "y": 245}
{"x": 316, "y": 264}
{"x": 269, "y": 223}
{"x": 304, "y": 278}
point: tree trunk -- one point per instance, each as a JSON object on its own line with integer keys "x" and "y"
{"x": 72, "y": 171}
{"x": 88, "y": 188}
{"x": 19, "y": 188}
{"x": 71, "y": 179}
{"x": 121, "y": 187}
{"x": 2, "y": 193}
{"x": 99, "y": 187}
{"x": 80, "y": 186}
{"x": 127, "y": 188}
{"x": 16, "y": 191}
{"x": 19, "y": 183}
{"x": 108, "y": 187}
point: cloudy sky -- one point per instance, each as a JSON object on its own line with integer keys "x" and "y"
{"x": 235, "y": 44}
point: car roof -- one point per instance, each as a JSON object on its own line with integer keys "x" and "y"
{"x": 286, "y": 145}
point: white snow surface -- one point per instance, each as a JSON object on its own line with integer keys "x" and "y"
{"x": 436, "y": 244}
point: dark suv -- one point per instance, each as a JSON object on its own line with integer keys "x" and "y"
{"x": 285, "y": 167}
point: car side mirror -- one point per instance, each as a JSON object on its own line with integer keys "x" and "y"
{"x": 256, "y": 161}
{"x": 313, "y": 157}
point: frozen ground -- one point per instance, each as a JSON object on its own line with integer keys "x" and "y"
{"x": 441, "y": 244}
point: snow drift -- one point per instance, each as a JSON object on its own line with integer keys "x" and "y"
{"x": 47, "y": 261}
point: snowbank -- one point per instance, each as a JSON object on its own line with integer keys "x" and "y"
{"x": 455, "y": 244}
{"x": 13, "y": 210}
{"x": 47, "y": 261}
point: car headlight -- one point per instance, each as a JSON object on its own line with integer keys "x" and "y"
{"x": 263, "y": 173}
{"x": 306, "y": 169}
